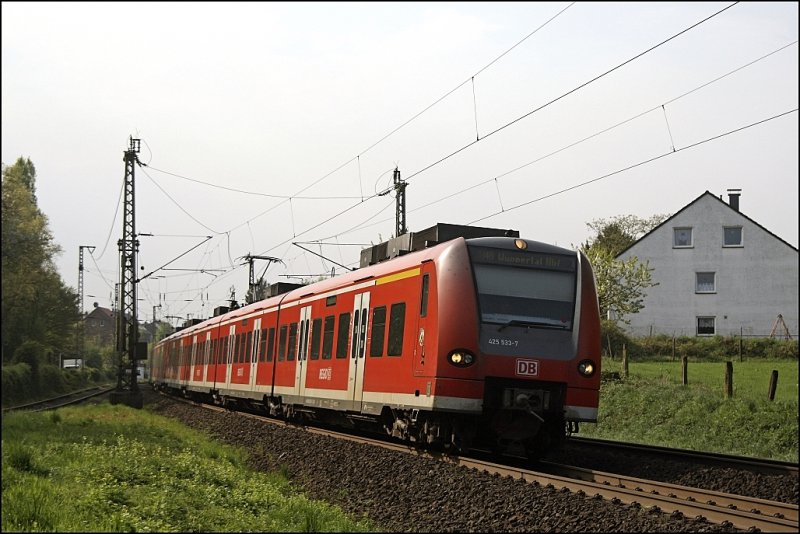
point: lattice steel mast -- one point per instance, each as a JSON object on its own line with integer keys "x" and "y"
{"x": 128, "y": 347}
{"x": 81, "y": 341}
{"x": 400, "y": 204}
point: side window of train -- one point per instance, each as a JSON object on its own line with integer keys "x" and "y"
{"x": 423, "y": 305}
{"x": 341, "y": 335}
{"x": 378, "y": 331}
{"x": 262, "y": 346}
{"x": 271, "y": 344}
{"x": 292, "y": 342}
{"x": 282, "y": 344}
{"x": 316, "y": 334}
{"x": 327, "y": 338}
{"x": 239, "y": 345}
{"x": 248, "y": 347}
{"x": 397, "y": 319}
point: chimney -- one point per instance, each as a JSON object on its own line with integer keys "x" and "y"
{"x": 733, "y": 198}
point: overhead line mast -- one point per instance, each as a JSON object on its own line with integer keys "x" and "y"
{"x": 128, "y": 348}
{"x": 81, "y": 325}
{"x": 400, "y": 204}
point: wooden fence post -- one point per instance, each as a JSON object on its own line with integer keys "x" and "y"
{"x": 673, "y": 346}
{"x": 741, "y": 333}
{"x": 684, "y": 366}
{"x": 624, "y": 360}
{"x": 728, "y": 380}
{"x": 773, "y": 384}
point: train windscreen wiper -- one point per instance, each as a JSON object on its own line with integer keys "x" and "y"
{"x": 517, "y": 322}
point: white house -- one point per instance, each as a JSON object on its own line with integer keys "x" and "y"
{"x": 719, "y": 273}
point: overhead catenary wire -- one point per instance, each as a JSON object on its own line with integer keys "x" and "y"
{"x": 639, "y": 164}
{"x": 514, "y": 121}
{"x": 348, "y": 209}
{"x": 587, "y": 138}
{"x": 376, "y": 143}
{"x": 471, "y": 78}
{"x": 573, "y": 90}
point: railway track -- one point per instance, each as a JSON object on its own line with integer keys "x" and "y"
{"x": 717, "y": 507}
{"x": 755, "y": 465}
{"x": 67, "y": 399}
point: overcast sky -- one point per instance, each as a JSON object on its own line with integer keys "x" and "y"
{"x": 264, "y": 124}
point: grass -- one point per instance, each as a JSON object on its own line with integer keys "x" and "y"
{"x": 103, "y": 468}
{"x": 652, "y": 406}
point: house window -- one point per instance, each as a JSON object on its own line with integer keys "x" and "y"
{"x": 682, "y": 238}
{"x": 705, "y": 283}
{"x": 732, "y": 236}
{"x": 706, "y": 326}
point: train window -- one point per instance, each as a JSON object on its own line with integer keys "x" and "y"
{"x": 327, "y": 338}
{"x": 534, "y": 297}
{"x": 248, "y": 351}
{"x": 316, "y": 334}
{"x": 341, "y": 339}
{"x": 282, "y": 344}
{"x": 330, "y": 301}
{"x": 423, "y": 305}
{"x": 356, "y": 323}
{"x": 397, "y": 319}
{"x": 378, "y": 331}
{"x": 292, "y": 342}
{"x": 239, "y": 348}
{"x": 262, "y": 346}
{"x": 271, "y": 344}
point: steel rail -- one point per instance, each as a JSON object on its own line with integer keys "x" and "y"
{"x": 758, "y": 465}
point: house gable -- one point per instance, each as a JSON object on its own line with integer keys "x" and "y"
{"x": 706, "y": 286}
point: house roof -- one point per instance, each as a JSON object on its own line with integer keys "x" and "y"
{"x": 718, "y": 199}
{"x": 104, "y": 312}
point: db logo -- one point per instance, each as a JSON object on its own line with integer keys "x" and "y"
{"x": 528, "y": 367}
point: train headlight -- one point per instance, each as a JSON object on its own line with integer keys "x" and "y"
{"x": 587, "y": 368}
{"x": 461, "y": 358}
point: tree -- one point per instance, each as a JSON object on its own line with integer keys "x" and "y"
{"x": 36, "y": 304}
{"x": 621, "y": 284}
{"x": 257, "y": 292}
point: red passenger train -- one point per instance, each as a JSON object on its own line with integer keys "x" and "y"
{"x": 483, "y": 342}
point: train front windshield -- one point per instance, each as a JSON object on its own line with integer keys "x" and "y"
{"x": 525, "y": 288}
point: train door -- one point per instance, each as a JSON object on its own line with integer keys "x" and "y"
{"x": 209, "y": 359}
{"x": 254, "y": 352}
{"x": 355, "y": 383}
{"x": 228, "y": 360}
{"x": 301, "y": 366}
{"x": 194, "y": 370}
{"x": 206, "y": 358}
{"x": 421, "y": 344}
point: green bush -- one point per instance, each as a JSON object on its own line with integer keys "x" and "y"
{"x": 96, "y": 375}
{"x": 52, "y": 381}
{"x": 17, "y": 382}
{"x": 714, "y": 348}
{"x": 32, "y": 353}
